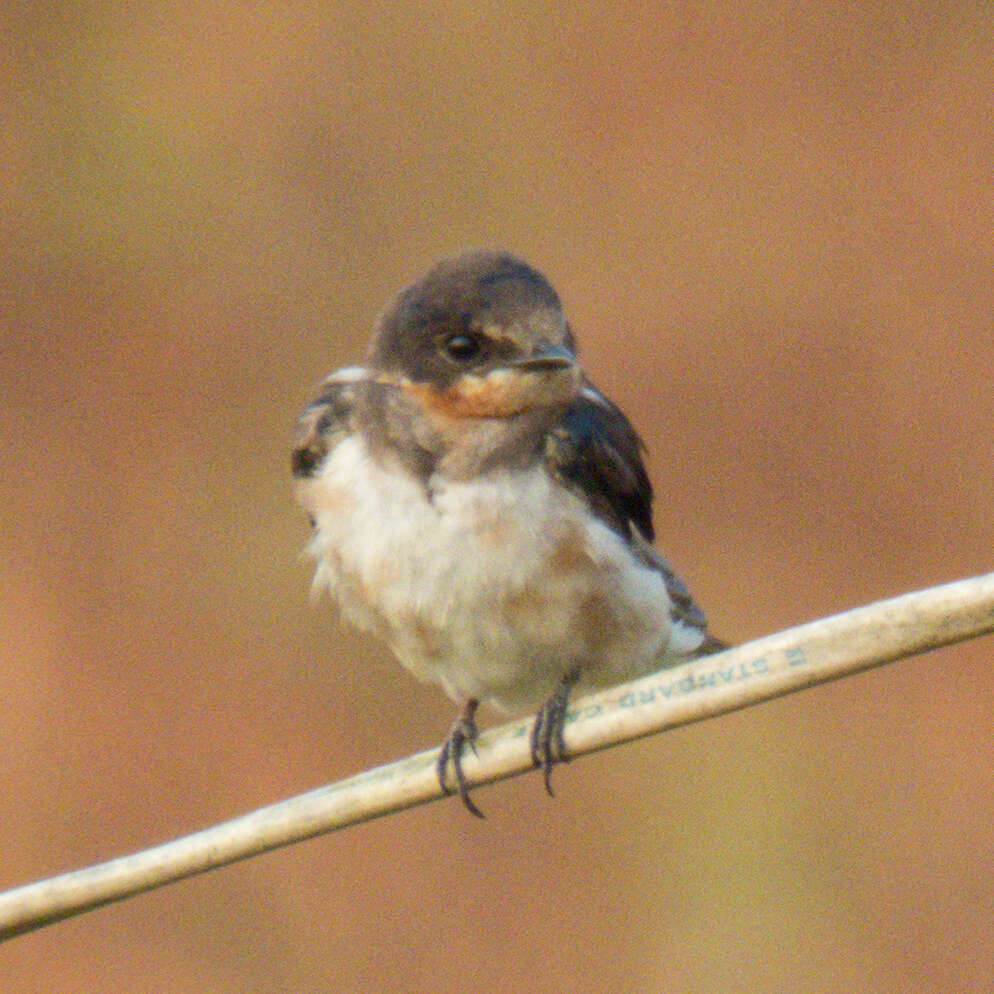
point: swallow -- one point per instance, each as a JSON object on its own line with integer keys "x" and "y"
{"x": 478, "y": 505}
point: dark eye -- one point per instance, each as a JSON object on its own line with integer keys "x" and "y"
{"x": 461, "y": 348}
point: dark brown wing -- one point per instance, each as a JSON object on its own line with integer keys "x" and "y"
{"x": 326, "y": 420}
{"x": 595, "y": 451}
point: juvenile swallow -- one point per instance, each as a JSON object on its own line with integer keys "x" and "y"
{"x": 483, "y": 509}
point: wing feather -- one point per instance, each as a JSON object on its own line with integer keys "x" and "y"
{"x": 595, "y": 451}
{"x": 326, "y": 420}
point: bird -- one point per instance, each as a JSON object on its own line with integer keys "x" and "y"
{"x": 480, "y": 507}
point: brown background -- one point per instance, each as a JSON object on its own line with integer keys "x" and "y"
{"x": 772, "y": 228}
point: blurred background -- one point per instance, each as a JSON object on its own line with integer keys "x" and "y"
{"x": 771, "y": 225}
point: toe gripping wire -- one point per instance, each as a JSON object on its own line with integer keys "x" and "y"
{"x": 548, "y": 747}
{"x": 464, "y": 732}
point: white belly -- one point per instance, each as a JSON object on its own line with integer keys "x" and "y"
{"x": 493, "y": 588}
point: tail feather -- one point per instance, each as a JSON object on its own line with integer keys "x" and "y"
{"x": 710, "y": 646}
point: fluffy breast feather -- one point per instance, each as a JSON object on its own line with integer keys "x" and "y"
{"x": 493, "y": 587}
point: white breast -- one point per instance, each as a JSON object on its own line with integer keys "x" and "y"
{"x": 493, "y": 588}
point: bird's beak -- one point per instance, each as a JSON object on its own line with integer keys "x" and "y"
{"x": 548, "y": 360}
{"x": 550, "y": 377}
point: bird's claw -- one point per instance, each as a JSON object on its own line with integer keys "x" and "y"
{"x": 464, "y": 732}
{"x": 547, "y": 744}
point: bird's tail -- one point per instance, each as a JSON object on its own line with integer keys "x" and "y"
{"x": 710, "y": 646}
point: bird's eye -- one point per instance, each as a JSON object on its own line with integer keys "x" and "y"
{"x": 462, "y": 348}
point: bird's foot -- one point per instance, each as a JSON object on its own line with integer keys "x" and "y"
{"x": 464, "y": 732}
{"x": 548, "y": 747}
